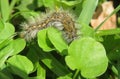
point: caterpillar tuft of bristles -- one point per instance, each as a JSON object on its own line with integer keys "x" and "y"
{"x": 61, "y": 20}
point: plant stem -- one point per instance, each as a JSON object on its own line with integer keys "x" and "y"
{"x": 76, "y": 73}
{"x": 108, "y": 32}
{"x": 13, "y": 2}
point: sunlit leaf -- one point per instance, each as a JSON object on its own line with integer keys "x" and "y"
{"x": 87, "y": 11}
{"x": 56, "y": 38}
{"x": 1, "y": 25}
{"x": 20, "y": 65}
{"x": 12, "y": 48}
{"x": 43, "y": 41}
{"x": 7, "y": 31}
{"x": 88, "y": 56}
{"x": 4, "y": 9}
{"x": 4, "y": 54}
{"x": 18, "y": 45}
{"x": 49, "y": 3}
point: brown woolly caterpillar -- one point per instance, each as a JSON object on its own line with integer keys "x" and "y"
{"x": 61, "y": 20}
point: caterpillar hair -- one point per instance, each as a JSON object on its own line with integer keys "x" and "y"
{"x": 61, "y": 20}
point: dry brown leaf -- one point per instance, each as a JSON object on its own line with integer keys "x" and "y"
{"x": 101, "y": 13}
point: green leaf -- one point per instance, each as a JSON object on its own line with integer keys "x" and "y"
{"x": 26, "y": 5}
{"x": 7, "y": 31}
{"x": 87, "y": 11}
{"x": 55, "y": 37}
{"x": 41, "y": 72}
{"x": 1, "y": 25}
{"x": 112, "y": 45}
{"x": 40, "y": 3}
{"x": 20, "y": 65}
{"x": 67, "y": 5}
{"x": 4, "y": 9}
{"x": 87, "y": 30}
{"x": 51, "y": 62}
{"x": 4, "y": 76}
{"x": 90, "y": 55}
{"x": 6, "y": 41}
{"x": 108, "y": 32}
{"x": 49, "y": 3}
{"x": 12, "y": 4}
{"x": 70, "y": 3}
{"x": 78, "y": 8}
{"x": 13, "y": 47}
{"x": 18, "y": 45}
{"x": 64, "y": 77}
{"x": 43, "y": 41}
{"x": 32, "y": 55}
{"x": 4, "y": 54}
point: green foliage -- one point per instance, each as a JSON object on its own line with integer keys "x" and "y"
{"x": 4, "y": 11}
{"x": 87, "y": 11}
{"x": 93, "y": 55}
{"x": 43, "y": 41}
{"x": 50, "y": 36}
{"x": 55, "y": 38}
{"x": 20, "y": 65}
{"x": 84, "y": 49}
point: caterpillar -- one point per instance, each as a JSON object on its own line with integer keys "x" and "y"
{"x": 61, "y": 20}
